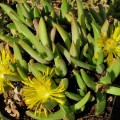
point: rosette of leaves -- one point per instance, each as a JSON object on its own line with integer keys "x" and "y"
{"x": 42, "y": 50}
{"x": 76, "y": 47}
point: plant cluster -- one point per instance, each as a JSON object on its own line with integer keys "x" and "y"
{"x": 60, "y": 57}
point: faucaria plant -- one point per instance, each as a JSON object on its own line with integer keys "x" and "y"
{"x": 88, "y": 52}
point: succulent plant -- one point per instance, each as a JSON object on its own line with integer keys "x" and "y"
{"x": 61, "y": 47}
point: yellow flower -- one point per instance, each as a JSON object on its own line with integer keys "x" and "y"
{"x": 110, "y": 46}
{"x": 5, "y": 58}
{"x": 37, "y": 92}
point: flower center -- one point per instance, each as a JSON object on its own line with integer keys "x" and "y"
{"x": 110, "y": 44}
{"x": 43, "y": 92}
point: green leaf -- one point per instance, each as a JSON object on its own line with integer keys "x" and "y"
{"x": 60, "y": 67}
{"x": 96, "y": 16}
{"x": 64, "y": 51}
{"x": 47, "y": 6}
{"x": 81, "y": 17}
{"x": 81, "y": 103}
{"x": 73, "y": 51}
{"x": 34, "y": 71}
{"x": 22, "y": 74}
{"x": 18, "y": 57}
{"x": 82, "y": 64}
{"x": 76, "y": 35}
{"x": 105, "y": 27}
{"x": 65, "y": 36}
{"x": 41, "y": 67}
{"x": 102, "y": 12}
{"x": 26, "y": 5}
{"x": 21, "y": 17}
{"x": 64, "y": 8}
{"x": 13, "y": 77}
{"x": 33, "y": 53}
{"x": 114, "y": 69}
{"x": 113, "y": 90}
{"x": 9, "y": 39}
{"x": 106, "y": 79}
{"x": 88, "y": 81}
{"x": 101, "y": 103}
{"x": 10, "y": 12}
{"x": 24, "y": 11}
{"x": 73, "y": 96}
{"x": 64, "y": 82}
{"x": 96, "y": 29}
{"x": 79, "y": 80}
{"x": 36, "y": 13}
{"x": 43, "y": 33}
